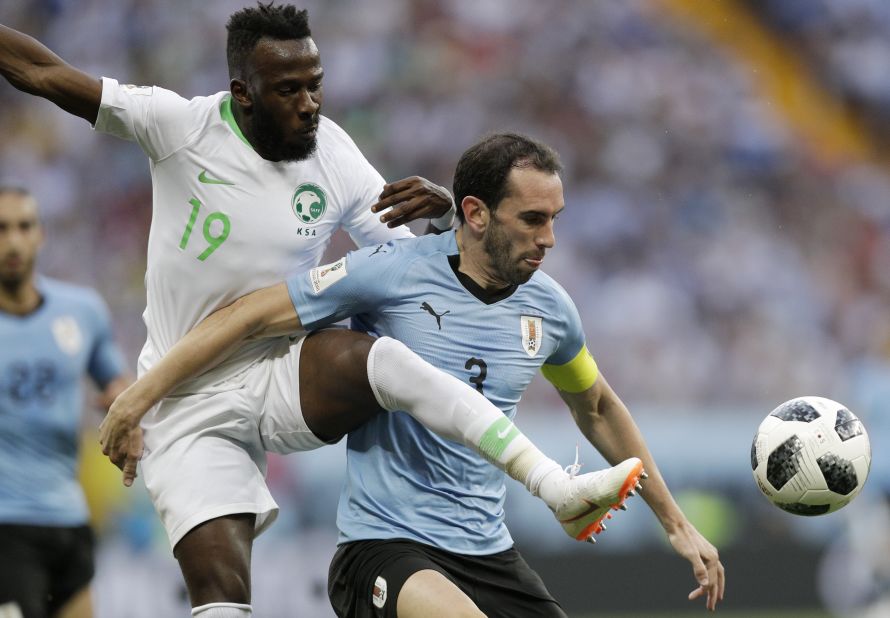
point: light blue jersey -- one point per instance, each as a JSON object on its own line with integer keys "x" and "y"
{"x": 402, "y": 480}
{"x": 43, "y": 358}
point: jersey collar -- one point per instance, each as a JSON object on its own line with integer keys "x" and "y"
{"x": 225, "y": 110}
{"x": 486, "y": 296}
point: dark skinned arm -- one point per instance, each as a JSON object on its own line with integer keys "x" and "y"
{"x": 31, "y": 67}
{"x": 413, "y": 198}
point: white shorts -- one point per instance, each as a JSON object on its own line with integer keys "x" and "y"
{"x": 205, "y": 451}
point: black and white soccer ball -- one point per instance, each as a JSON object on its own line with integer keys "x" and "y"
{"x": 810, "y": 456}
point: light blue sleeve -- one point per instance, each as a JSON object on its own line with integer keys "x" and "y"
{"x": 360, "y": 282}
{"x": 573, "y": 338}
{"x": 106, "y": 360}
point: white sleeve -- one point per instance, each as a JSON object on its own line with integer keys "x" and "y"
{"x": 365, "y": 184}
{"x": 159, "y": 120}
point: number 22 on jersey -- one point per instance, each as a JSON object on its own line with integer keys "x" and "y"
{"x": 213, "y": 240}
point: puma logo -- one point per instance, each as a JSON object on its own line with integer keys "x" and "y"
{"x": 426, "y": 307}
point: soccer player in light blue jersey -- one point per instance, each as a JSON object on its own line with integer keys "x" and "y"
{"x": 51, "y": 334}
{"x": 421, "y": 518}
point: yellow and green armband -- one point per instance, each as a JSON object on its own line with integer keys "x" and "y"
{"x": 575, "y": 376}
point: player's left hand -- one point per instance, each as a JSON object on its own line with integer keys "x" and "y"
{"x": 412, "y": 198}
{"x": 121, "y": 436}
{"x": 706, "y": 565}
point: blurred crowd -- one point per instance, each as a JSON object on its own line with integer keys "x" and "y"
{"x": 846, "y": 43}
{"x": 715, "y": 259}
{"x": 718, "y": 260}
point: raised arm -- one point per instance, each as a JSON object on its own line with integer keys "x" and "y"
{"x": 268, "y": 312}
{"x": 607, "y": 423}
{"x": 31, "y": 67}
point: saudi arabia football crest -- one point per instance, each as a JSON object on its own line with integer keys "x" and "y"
{"x": 309, "y": 202}
{"x": 532, "y": 329}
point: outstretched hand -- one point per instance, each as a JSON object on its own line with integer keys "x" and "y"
{"x": 689, "y": 543}
{"x": 412, "y": 198}
{"x": 121, "y": 436}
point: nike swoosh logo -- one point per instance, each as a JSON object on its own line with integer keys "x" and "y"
{"x": 592, "y": 509}
{"x": 504, "y": 432}
{"x": 207, "y": 180}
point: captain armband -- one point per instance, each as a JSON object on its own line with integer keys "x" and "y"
{"x": 575, "y": 376}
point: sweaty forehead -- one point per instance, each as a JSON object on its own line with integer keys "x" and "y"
{"x": 272, "y": 56}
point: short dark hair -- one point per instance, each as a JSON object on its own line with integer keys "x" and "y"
{"x": 247, "y": 26}
{"x": 483, "y": 169}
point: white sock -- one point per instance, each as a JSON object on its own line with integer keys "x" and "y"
{"x": 547, "y": 480}
{"x": 401, "y": 380}
{"x": 223, "y": 610}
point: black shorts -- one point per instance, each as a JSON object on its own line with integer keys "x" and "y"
{"x": 502, "y": 585}
{"x": 42, "y": 567}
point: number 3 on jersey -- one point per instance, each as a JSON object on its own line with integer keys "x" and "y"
{"x": 479, "y": 378}
{"x": 213, "y": 240}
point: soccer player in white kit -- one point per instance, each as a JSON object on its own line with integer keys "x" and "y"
{"x": 248, "y": 186}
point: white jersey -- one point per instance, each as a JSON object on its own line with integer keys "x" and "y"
{"x": 225, "y": 221}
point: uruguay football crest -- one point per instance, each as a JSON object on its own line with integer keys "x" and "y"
{"x": 532, "y": 328}
{"x": 67, "y": 334}
{"x": 309, "y": 202}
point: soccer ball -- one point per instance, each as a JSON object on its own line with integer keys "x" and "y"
{"x": 810, "y": 456}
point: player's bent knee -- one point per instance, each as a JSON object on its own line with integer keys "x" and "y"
{"x": 336, "y": 357}
{"x": 334, "y": 373}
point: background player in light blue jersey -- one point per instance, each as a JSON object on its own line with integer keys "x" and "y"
{"x": 421, "y": 519}
{"x": 51, "y": 334}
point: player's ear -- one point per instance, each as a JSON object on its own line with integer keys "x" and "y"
{"x": 240, "y": 93}
{"x": 476, "y": 213}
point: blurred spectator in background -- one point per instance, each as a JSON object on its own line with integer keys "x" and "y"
{"x": 51, "y": 334}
